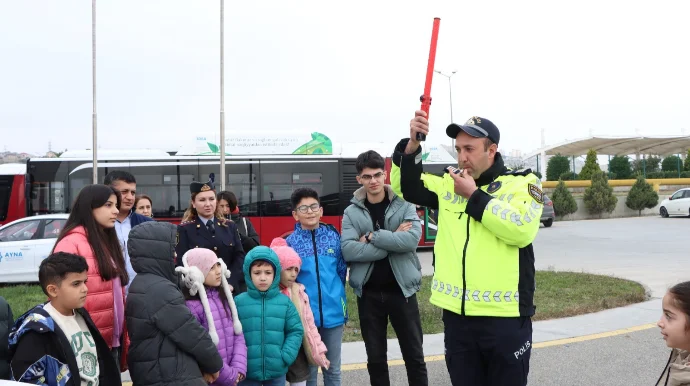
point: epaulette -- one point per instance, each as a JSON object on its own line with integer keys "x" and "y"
{"x": 519, "y": 172}
{"x": 187, "y": 222}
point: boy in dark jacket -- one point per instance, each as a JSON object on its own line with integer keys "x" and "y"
{"x": 6, "y": 322}
{"x": 57, "y": 343}
{"x": 168, "y": 345}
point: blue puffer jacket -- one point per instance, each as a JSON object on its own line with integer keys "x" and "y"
{"x": 271, "y": 325}
{"x": 323, "y": 273}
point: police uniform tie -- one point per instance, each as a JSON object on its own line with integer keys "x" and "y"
{"x": 209, "y": 226}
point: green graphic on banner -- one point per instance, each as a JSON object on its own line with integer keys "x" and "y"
{"x": 319, "y": 144}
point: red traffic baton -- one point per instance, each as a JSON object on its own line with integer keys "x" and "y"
{"x": 426, "y": 97}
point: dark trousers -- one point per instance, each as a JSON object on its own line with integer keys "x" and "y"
{"x": 482, "y": 350}
{"x": 375, "y": 308}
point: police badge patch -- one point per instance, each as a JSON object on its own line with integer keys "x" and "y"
{"x": 494, "y": 186}
{"x": 536, "y": 193}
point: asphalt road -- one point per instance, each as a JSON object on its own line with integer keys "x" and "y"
{"x": 650, "y": 250}
{"x": 630, "y": 359}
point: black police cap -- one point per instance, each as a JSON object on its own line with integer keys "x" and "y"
{"x": 477, "y": 127}
{"x": 198, "y": 187}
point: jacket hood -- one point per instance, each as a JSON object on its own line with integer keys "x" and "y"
{"x": 151, "y": 248}
{"x": 262, "y": 253}
{"x": 677, "y": 370}
{"x": 361, "y": 194}
{"x": 36, "y": 319}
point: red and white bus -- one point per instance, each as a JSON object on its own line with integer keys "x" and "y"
{"x": 262, "y": 183}
{"x": 12, "y": 192}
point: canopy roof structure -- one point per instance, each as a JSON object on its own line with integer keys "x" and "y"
{"x": 657, "y": 145}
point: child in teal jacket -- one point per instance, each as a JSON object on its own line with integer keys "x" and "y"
{"x": 270, "y": 322}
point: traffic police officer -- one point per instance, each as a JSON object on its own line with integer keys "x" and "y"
{"x": 484, "y": 274}
{"x": 203, "y": 226}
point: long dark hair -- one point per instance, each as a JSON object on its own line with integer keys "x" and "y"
{"x": 229, "y": 197}
{"x": 103, "y": 242}
{"x": 681, "y": 299}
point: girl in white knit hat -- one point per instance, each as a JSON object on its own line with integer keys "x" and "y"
{"x": 210, "y": 299}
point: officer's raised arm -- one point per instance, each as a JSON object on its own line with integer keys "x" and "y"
{"x": 406, "y": 171}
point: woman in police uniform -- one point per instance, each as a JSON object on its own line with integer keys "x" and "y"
{"x": 203, "y": 226}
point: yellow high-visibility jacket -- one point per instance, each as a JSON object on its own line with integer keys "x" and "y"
{"x": 484, "y": 256}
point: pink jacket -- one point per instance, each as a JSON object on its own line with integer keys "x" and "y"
{"x": 313, "y": 346}
{"x": 99, "y": 301}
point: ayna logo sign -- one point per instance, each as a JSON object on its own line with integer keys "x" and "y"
{"x": 10, "y": 256}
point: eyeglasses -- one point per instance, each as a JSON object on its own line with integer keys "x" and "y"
{"x": 305, "y": 208}
{"x": 368, "y": 177}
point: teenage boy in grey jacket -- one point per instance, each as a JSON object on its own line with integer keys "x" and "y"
{"x": 379, "y": 240}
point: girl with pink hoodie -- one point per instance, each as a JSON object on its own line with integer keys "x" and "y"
{"x": 313, "y": 351}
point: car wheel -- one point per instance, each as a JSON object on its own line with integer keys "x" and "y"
{"x": 548, "y": 223}
{"x": 663, "y": 212}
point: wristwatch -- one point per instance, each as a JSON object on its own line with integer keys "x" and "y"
{"x": 368, "y": 237}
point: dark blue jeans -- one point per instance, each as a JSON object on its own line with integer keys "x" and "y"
{"x": 333, "y": 339}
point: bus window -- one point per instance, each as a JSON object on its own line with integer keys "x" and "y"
{"x": 243, "y": 185}
{"x": 168, "y": 190}
{"x": 276, "y": 191}
{"x": 280, "y": 178}
{"x": 48, "y": 187}
{"x": 241, "y": 180}
{"x": 5, "y": 193}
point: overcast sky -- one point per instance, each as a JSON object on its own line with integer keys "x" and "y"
{"x": 350, "y": 71}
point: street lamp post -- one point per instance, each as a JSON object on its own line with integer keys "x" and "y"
{"x": 222, "y": 96}
{"x": 450, "y": 94}
{"x": 93, "y": 72}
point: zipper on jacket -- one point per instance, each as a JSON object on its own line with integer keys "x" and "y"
{"x": 263, "y": 315}
{"x": 318, "y": 275}
{"x": 464, "y": 279}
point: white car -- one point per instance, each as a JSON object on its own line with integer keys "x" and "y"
{"x": 678, "y": 204}
{"x": 24, "y": 243}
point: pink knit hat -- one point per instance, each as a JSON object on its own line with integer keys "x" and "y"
{"x": 202, "y": 258}
{"x": 288, "y": 257}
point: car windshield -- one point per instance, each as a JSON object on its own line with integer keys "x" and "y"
{"x": 19, "y": 232}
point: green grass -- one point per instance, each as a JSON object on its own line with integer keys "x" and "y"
{"x": 558, "y": 295}
{"x": 21, "y": 298}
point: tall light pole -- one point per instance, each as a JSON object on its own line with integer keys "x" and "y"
{"x": 93, "y": 71}
{"x": 450, "y": 93}
{"x": 222, "y": 96}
